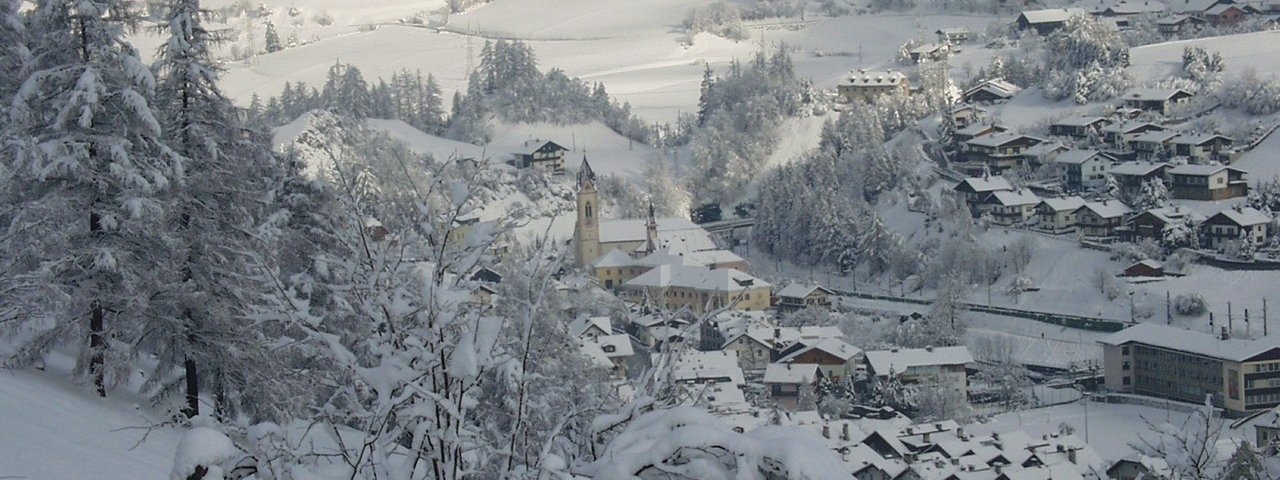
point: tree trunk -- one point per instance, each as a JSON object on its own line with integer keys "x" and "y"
{"x": 97, "y": 341}
{"x": 193, "y": 388}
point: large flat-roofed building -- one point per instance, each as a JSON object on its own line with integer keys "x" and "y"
{"x": 1240, "y": 375}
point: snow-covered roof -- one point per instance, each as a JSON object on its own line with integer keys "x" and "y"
{"x": 1220, "y": 8}
{"x": 899, "y": 360}
{"x": 953, "y": 31}
{"x": 1149, "y": 263}
{"x": 1137, "y": 169}
{"x": 876, "y": 78}
{"x": 1107, "y": 208}
{"x": 1080, "y": 121}
{"x": 1175, "y": 213}
{"x": 1009, "y": 198}
{"x": 791, "y": 373}
{"x": 996, "y": 86}
{"x": 712, "y": 257}
{"x": 676, "y": 233}
{"x": 614, "y": 346}
{"x": 1051, "y": 15}
{"x": 696, "y": 277}
{"x": 1156, "y": 136}
{"x": 664, "y": 256}
{"x": 834, "y": 346}
{"x": 615, "y": 258}
{"x": 1200, "y": 170}
{"x": 585, "y": 324}
{"x": 800, "y": 290}
{"x": 928, "y": 48}
{"x": 987, "y": 184}
{"x": 978, "y": 129}
{"x": 1244, "y": 217}
{"x": 1192, "y": 341}
{"x": 1063, "y": 204}
{"x": 1176, "y": 20}
{"x": 1128, "y": 127}
{"x": 1154, "y": 94}
{"x": 1043, "y": 149}
{"x": 692, "y": 366}
{"x": 1000, "y": 138}
{"x": 1134, "y": 8}
{"x": 1188, "y": 139}
{"x": 1077, "y": 157}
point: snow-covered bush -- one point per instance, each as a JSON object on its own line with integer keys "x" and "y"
{"x": 719, "y": 18}
{"x": 1190, "y": 304}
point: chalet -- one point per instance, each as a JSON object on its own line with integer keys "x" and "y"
{"x": 929, "y": 52}
{"x": 1146, "y": 268}
{"x": 1232, "y": 224}
{"x": 483, "y": 295}
{"x": 1101, "y": 219}
{"x": 1159, "y": 100}
{"x": 1208, "y": 182}
{"x": 1175, "y": 24}
{"x": 1079, "y": 126}
{"x": 953, "y": 36}
{"x": 1012, "y": 207}
{"x": 486, "y": 275}
{"x": 966, "y": 115}
{"x": 867, "y": 85}
{"x": 975, "y": 190}
{"x": 1205, "y": 147}
{"x": 1132, "y": 175}
{"x": 990, "y": 91}
{"x": 1044, "y": 153}
{"x": 1058, "y": 214}
{"x": 1228, "y": 14}
{"x": 975, "y": 130}
{"x": 1196, "y": 7}
{"x": 1119, "y": 134}
{"x": 611, "y": 351}
{"x": 692, "y": 367}
{"x": 999, "y": 151}
{"x": 941, "y": 367}
{"x": 785, "y": 379}
{"x": 834, "y": 357}
{"x": 1154, "y": 145}
{"x": 549, "y": 158}
{"x": 754, "y": 347}
{"x": 653, "y": 330}
{"x": 1151, "y": 224}
{"x": 1046, "y": 21}
{"x": 1083, "y": 169}
{"x": 797, "y": 296}
{"x": 590, "y": 327}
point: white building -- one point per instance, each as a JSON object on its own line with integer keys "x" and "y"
{"x": 941, "y": 366}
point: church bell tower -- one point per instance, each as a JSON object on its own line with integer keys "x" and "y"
{"x": 586, "y": 231}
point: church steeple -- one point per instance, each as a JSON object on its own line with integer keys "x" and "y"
{"x": 586, "y": 231}
{"x": 651, "y": 230}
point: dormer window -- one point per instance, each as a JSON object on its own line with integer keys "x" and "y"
{"x": 609, "y": 348}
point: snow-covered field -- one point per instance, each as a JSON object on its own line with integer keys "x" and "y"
{"x": 51, "y": 429}
{"x": 1259, "y": 51}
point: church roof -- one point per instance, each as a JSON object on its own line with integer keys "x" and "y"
{"x": 585, "y": 173}
{"x": 678, "y": 234}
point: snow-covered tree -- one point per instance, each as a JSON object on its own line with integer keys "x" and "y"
{"x": 1191, "y": 449}
{"x": 93, "y": 173}
{"x": 1183, "y": 234}
{"x": 1153, "y": 195}
{"x": 272, "y": 39}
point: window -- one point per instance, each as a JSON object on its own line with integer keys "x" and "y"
{"x": 1125, "y": 366}
{"x": 1124, "y": 350}
{"x": 1125, "y": 381}
{"x": 588, "y": 210}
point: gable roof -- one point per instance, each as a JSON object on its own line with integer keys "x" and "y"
{"x": 1201, "y": 170}
{"x": 615, "y": 258}
{"x": 1001, "y": 138}
{"x": 899, "y": 360}
{"x": 801, "y": 290}
{"x": 1174, "y": 214}
{"x": 1131, "y": 126}
{"x": 1080, "y": 121}
{"x": 1051, "y": 15}
{"x": 1156, "y": 136}
{"x": 1201, "y": 139}
{"x": 1155, "y": 94}
{"x": 979, "y": 129}
{"x": 791, "y": 373}
{"x": 1063, "y": 204}
{"x": 679, "y": 234}
{"x": 876, "y": 78}
{"x": 1137, "y": 169}
{"x": 584, "y": 324}
{"x": 697, "y": 277}
{"x": 995, "y": 86}
{"x": 834, "y": 346}
{"x": 550, "y": 147}
{"x": 1244, "y": 217}
{"x": 1009, "y": 198}
{"x": 1077, "y": 157}
{"x": 985, "y": 184}
{"x": 1107, "y": 208}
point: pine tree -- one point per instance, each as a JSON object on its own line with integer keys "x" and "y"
{"x": 1244, "y": 464}
{"x": 273, "y": 38}
{"x": 96, "y": 171}
{"x": 433, "y": 113}
{"x": 13, "y": 51}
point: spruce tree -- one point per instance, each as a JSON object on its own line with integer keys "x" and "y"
{"x": 93, "y": 177}
{"x": 202, "y": 330}
{"x": 273, "y": 38}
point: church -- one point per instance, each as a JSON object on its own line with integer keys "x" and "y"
{"x": 619, "y": 254}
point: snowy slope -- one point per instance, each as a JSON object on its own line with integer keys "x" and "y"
{"x": 1260, "y": 51}
{"x": 51, "y": 429}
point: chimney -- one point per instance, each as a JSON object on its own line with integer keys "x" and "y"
{"x": 926, "y": 437}
{"x": 960, "y": 433}
{"x": 826, "y": 431}
{"x": 844, "y": 431}
{"x": 1226, "y": 334}
{"x": 777, "y": 332}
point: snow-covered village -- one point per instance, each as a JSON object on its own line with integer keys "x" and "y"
{"x": 656, "y": 239}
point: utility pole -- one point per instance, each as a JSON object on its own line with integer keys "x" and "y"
{"x": 1168, "y": 308}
